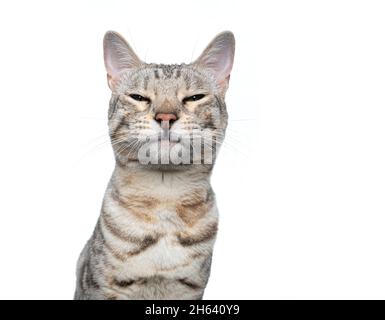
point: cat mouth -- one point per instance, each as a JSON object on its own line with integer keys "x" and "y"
{"x": 166, "y": 146}
{"x": 166, "y": 137}
{"x": 165, "y": 140}
{"x": 168, "y": 141}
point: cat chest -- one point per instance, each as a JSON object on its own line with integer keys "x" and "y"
{"x": 164, "y": 257}
{"x": 161, "y": 247}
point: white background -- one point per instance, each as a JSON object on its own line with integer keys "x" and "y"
{"x": 300, "y": 182}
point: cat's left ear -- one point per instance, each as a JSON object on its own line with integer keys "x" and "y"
{"x": 218, "y": 57}
{"x": 118, "y": 56}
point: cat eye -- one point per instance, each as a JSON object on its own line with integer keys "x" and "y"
{"x": 138, "y": 97}
{"x": 195, "y": 97}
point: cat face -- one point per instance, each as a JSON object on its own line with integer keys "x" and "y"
{"x": 167, "y": 115}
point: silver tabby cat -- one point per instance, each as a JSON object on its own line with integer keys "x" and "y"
{"x": 155, "y": 235}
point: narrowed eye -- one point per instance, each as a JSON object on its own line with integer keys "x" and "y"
{"x": 195, "y": 97}
{"x": 138, "y": 97}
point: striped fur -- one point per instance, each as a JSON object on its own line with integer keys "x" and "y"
{"x": 158, "y": 223}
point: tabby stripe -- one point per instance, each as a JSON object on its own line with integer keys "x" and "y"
{"x": 206, "y": 235}
{"x": 123, "y": 283}
{"x": 116, "y": 254}
{"x": 113, "y": 102}
{"x": 190, "y": 213}
{"x": 117, "y": 127}
{"x": 221, "y": 104}
{"x": 187, "y": 81}
{"x": 90, "y": 280}
{"x": 147, "y": 242}
{"x": 116, "y": 231}
{"x": 189, "y": 284}
{"x": 146, "y": 80}
{"x": 139, "y": 206}
{"x": 143, "y": 243}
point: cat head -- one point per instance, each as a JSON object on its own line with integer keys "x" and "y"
{"x": 167, "y": 115}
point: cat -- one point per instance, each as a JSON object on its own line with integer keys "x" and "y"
{"x": 155, "y": 235}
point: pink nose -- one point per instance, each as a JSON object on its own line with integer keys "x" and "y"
{"x": 165, "y": 117}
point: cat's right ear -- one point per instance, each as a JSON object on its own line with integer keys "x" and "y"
{"x": 118, "y": 56}
{"x": 218, "y": 57}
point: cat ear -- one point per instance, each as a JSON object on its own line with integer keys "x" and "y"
{"x": 218, "y": 56}
{"x": 118, "y": 56}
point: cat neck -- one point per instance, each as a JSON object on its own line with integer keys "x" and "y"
{"x": 135, "y": 178}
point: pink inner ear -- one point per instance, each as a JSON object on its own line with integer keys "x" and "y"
{"x": 218, "y": 56}
{"x": 118, "y": 56}
{"x": 220, "y": 64}
{"x": 113, "y": 61}
{"x": 224, "y": 66}
{"x": 110, "y": 67}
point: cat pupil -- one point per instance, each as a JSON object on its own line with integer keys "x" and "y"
{"x": 138, "y": 97}
{"x": 195, "y": 97}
